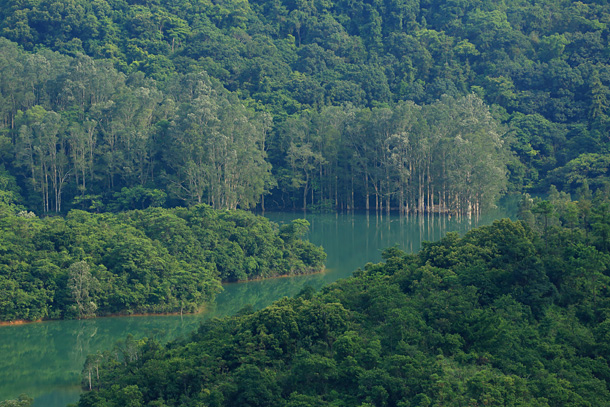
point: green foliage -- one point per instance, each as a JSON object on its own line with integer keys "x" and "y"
{"x": 80, "y": 285}
{"x": 137, "y": 198}
{"x": 497, "y": 317}
{"x": 131, "y": 142}
{"x": 9, "y": 192}
{"x": 222, "y": 103}
{"x": 22, "y": 401}
{"x": 155, "y": 260}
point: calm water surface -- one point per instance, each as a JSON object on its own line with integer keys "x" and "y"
{"x": 44, "y": 360}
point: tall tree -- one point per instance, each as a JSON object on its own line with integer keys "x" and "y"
{"x": 80, "y": 285}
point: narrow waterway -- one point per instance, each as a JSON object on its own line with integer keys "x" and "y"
{"x": 44, "y": 360}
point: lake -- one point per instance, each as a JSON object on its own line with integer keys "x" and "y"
{"x": 44, "y": 360}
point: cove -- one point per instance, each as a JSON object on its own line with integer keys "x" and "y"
{"x": 44, "y": 360}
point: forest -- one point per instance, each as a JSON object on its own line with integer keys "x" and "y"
{"x": 193, "y": 142}
{"x": 134, "y": 133}
{"x": 115, "y": 105}
{"x": 142, "y": 261}
{"x": 511, "y": 314}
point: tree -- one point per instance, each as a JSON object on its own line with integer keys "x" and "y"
{"x": 255, "y": 388}
{"x": 217, "y": 151}
{"x": 303, "y": 162}
{"x": 23, "y": 401}
{"x": 43, "y": 148}
{"x": 81, "y": 285}
{"x": 546, "y": 210}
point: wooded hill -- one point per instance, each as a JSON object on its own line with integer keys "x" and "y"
{"x": 149, "y": 261}
{"x": 412, "y": 105}
{"x": 512, "y": 314}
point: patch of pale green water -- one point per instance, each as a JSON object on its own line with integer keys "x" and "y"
{"x": 44, "y": 360}
{"x": 353, "y": 239}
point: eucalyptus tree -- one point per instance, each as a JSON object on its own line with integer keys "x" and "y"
{"x": 379, "y": 130}
{"x": 241, "y": 163}
{"x": 293, "y": 143}
{"x": 186, "y": 156}
{"x": 42, "y": 147}
{"x": 401, "y": 149}
{"x": 16, "y": 82}
{"x": 477, "y": 157}
{"x": 217, "y": 153}
{"x": 361, "y": 148}
{"x": 82, "y": 140}
{"x": 303, "y": 162}
{"x": 136, "y": 112}
{"x": 81, "y": 285}
{"x": 328, "y": 128}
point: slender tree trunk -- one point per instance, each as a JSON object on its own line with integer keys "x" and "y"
{"x": 421, "y": 192}
{"x": 366, "y": 191}
{"x": 376, "y": 195}
{"x": 352, "y": 194}
{"x": 336, "y": 192}
{"x": 312, "y": 195}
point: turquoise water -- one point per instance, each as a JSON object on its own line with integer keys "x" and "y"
{"x": 44, "y": 360}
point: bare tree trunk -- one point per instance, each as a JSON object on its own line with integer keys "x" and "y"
{"x": 428, "y": 207}
{"x": 352, "y": 197}
{"x": 336, "y": 192}
{"x": 312, "y": 195}
{"x": 376, "y": 198}
{"x": 366, "y": 191}
{"x": 421, "y": 192}
{"x": 401, "y": 208}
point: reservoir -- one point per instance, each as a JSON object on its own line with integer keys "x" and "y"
{"x": 44, "y": 360}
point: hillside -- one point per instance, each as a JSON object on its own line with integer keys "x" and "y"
{"x": 147, "y": 261}
{"x": 291, "y": 104}
{"x": 512, "y": 314}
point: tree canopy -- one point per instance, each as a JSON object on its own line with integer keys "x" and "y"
{"x": 290, "y": 104}
{"x": 511, "y": 314}
{"x": 142, "y": 261}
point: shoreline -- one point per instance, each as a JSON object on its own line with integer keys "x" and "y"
{"x": 323, "y": 270}
{"x": 116, "y": 315}
{"x": 202, "y": 309}
{"x": 23, "y": 322}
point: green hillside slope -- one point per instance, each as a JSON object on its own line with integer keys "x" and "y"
{"x": 305, "y": 101}
{"x": 505, "y": 316}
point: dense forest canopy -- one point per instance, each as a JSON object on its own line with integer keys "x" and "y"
{"x": 111, "y": 105}
{"x": 142, "y": 261}
{"x": 511, "y": 314}
{"x": 117, "y": 113}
